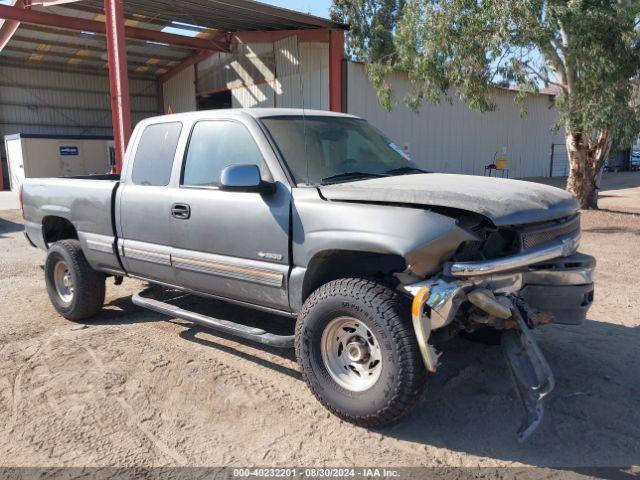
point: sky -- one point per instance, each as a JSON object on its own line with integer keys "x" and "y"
{"x": 314, "y": 7}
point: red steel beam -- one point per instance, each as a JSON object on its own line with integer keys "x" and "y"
{"x": 84, "y": 25}
{"x": 7, "y": 30}
{"x": 336, "y": 57}
{"x": 9, "y": 27}
{"x": 311, "y": 35}
{"x": 118, "y": 78}
{"x": 47, "y": 3}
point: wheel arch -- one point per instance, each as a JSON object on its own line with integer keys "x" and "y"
{"x": 328, "y": 265}
{"x": 55, "y": 228}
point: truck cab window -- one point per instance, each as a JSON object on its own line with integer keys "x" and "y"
{"x": 215, "y": 145}
{"x": 317, "y": 148}
{"x": 155, "y": 153}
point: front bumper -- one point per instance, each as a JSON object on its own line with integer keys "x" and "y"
{"x": 558, "y": 290}
{"x": 562, "y": 288}
{"x": 562, "y": 247}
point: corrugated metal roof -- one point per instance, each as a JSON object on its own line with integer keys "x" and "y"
{"x": 77, "y": 51}
{"x": 222, "y": 15}
{"x": 98, "y": 43}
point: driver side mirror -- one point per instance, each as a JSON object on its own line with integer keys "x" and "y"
{"x": 244, "y": 178}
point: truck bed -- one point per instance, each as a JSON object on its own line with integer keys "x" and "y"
{"x": 84, "y": 202}
{"x": 105, "y": 176}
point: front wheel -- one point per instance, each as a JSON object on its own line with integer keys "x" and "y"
{"x": 358, "y": 352}
{"x": 76, "y": 290}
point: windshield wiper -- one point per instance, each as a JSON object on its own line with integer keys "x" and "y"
{"x": 352, "y": 176}
{"x": 405, "y": 170}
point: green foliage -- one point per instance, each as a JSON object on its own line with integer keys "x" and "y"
{"x": 372, "y": 23}
{"x": 587, "y": 49}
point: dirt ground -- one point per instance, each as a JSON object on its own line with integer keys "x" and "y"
{"x": 131, "y": 389}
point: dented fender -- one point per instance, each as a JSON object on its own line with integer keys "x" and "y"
{"x": 423, "y": 237}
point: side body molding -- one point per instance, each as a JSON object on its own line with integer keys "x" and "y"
{"x": 254, "y": 271}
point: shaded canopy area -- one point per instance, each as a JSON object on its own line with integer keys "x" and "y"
{"x": 152, "y": 28}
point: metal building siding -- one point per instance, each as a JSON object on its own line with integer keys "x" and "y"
{"x": 180, "y": 92}
{"x": 278, "y": 74}
{"x": 254, "y": 96}
{"x": 249, "y": 64}
{"x": 315, "y": 74}
{"x": 456, "y": 139}
{"x": 212, "y": 73}
{"x": 54, "y": 102}
{"x": 302, "y": 74}
{"x": 288, "y": 70}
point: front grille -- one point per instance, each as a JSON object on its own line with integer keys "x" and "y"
{"x": 533, "y": 237}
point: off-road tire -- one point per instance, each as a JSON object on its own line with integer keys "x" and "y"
{"x": 89, "y": 285}
{"x": 403, "y": 375}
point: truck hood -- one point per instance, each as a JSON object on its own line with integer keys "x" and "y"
{"x": 504, "y": 202}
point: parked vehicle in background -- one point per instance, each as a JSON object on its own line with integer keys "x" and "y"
{"x": 635, "y": 159}
{"x": 317, "y": 216}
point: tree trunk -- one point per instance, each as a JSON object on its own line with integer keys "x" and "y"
{"x": 586, "y": 162}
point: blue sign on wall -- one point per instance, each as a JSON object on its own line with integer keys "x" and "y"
{"x": 69, "y": 151}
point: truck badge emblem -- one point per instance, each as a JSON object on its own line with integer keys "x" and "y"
{"x": 270, "y": 256}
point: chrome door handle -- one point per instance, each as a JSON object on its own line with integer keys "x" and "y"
{"x": 181, "y": 211}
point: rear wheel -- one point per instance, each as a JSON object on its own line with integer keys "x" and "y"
{"x": 76, "y": 290}
{"x": 358, "y": 352}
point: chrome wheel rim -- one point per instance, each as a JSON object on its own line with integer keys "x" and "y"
{"x": 351, "y": 354}
{"x": 63, "y": 282}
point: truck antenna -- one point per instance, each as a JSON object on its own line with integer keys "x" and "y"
{"x": 304, "y": 115}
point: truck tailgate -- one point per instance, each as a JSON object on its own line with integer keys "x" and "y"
{"x": 85, "y": 203}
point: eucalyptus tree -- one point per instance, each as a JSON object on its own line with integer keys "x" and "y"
{"x": 589, "y": 50}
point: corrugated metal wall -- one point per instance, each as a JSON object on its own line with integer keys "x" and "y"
{"x": 303, "y": 74}
{"x": 61, "y": 103}
{"x": 444, "y": 138}
{"x": 315, "y": 74}
{"x": 49, "y": 102}
{"x": 456, "y": 139}
{"x": 249, "y": 64}
{"x": 300, "y": 77}
{"x": 255, "y": 96}
{"x": 276, "y": 74}
{"x": 180, "y": 92}
{"x": 288, "y": 67}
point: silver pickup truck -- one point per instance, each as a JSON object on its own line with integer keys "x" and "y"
{"x": 317, "y": 216}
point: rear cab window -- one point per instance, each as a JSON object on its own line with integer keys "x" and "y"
{"x": 153, "y": 160}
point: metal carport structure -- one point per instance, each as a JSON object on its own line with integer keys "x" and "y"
{"x": 70, "y": 35}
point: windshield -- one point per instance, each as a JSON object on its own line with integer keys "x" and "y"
{"x": 323, "y": 149}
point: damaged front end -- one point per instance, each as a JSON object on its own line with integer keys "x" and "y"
{"x": 514, "y": 294}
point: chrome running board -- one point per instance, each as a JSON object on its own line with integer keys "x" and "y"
{"x": 145, "y": 299}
